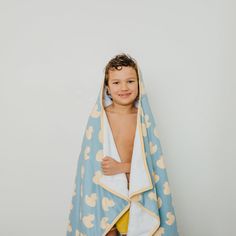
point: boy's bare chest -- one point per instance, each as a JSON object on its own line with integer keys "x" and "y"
{"x": 123, "y": 129}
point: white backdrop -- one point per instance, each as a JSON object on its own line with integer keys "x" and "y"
{"x": 52, "y": 56}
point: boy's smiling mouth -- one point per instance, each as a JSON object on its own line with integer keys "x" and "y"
{"x": 124, "y": 94}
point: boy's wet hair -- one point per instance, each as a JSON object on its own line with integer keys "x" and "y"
{"x": 117, "y": 62}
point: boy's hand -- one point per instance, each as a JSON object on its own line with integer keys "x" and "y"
{"x": 110, "y": 166}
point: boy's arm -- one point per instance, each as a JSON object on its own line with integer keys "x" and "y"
{"x": 124, "y": 167}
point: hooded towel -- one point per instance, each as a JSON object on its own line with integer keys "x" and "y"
{"x": 99, "y": 200}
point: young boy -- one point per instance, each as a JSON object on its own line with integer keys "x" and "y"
{"x": 122, "y": 86}
{"x": 116, "y": 132}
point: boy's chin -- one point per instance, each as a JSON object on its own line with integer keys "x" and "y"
{"x": 123, "y": 102}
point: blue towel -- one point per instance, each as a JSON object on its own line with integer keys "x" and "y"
{"x": 99, "y": 200}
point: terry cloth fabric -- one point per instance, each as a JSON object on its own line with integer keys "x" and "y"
{"x": 100, "y": 200}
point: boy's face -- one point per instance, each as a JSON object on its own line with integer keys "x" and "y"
{"x": 123, "y": 85}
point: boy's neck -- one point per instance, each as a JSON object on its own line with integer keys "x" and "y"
{"x": 122, "y": 109}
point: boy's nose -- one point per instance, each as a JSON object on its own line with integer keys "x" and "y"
{"x": 124, "y": 87}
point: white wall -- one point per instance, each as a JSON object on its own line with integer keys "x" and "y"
{"x": 52, "y": 56}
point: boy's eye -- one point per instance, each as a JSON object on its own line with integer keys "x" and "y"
{"x": 130, "y": 81}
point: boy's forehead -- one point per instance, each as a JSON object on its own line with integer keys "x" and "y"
{"x": 126, "y": 72}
